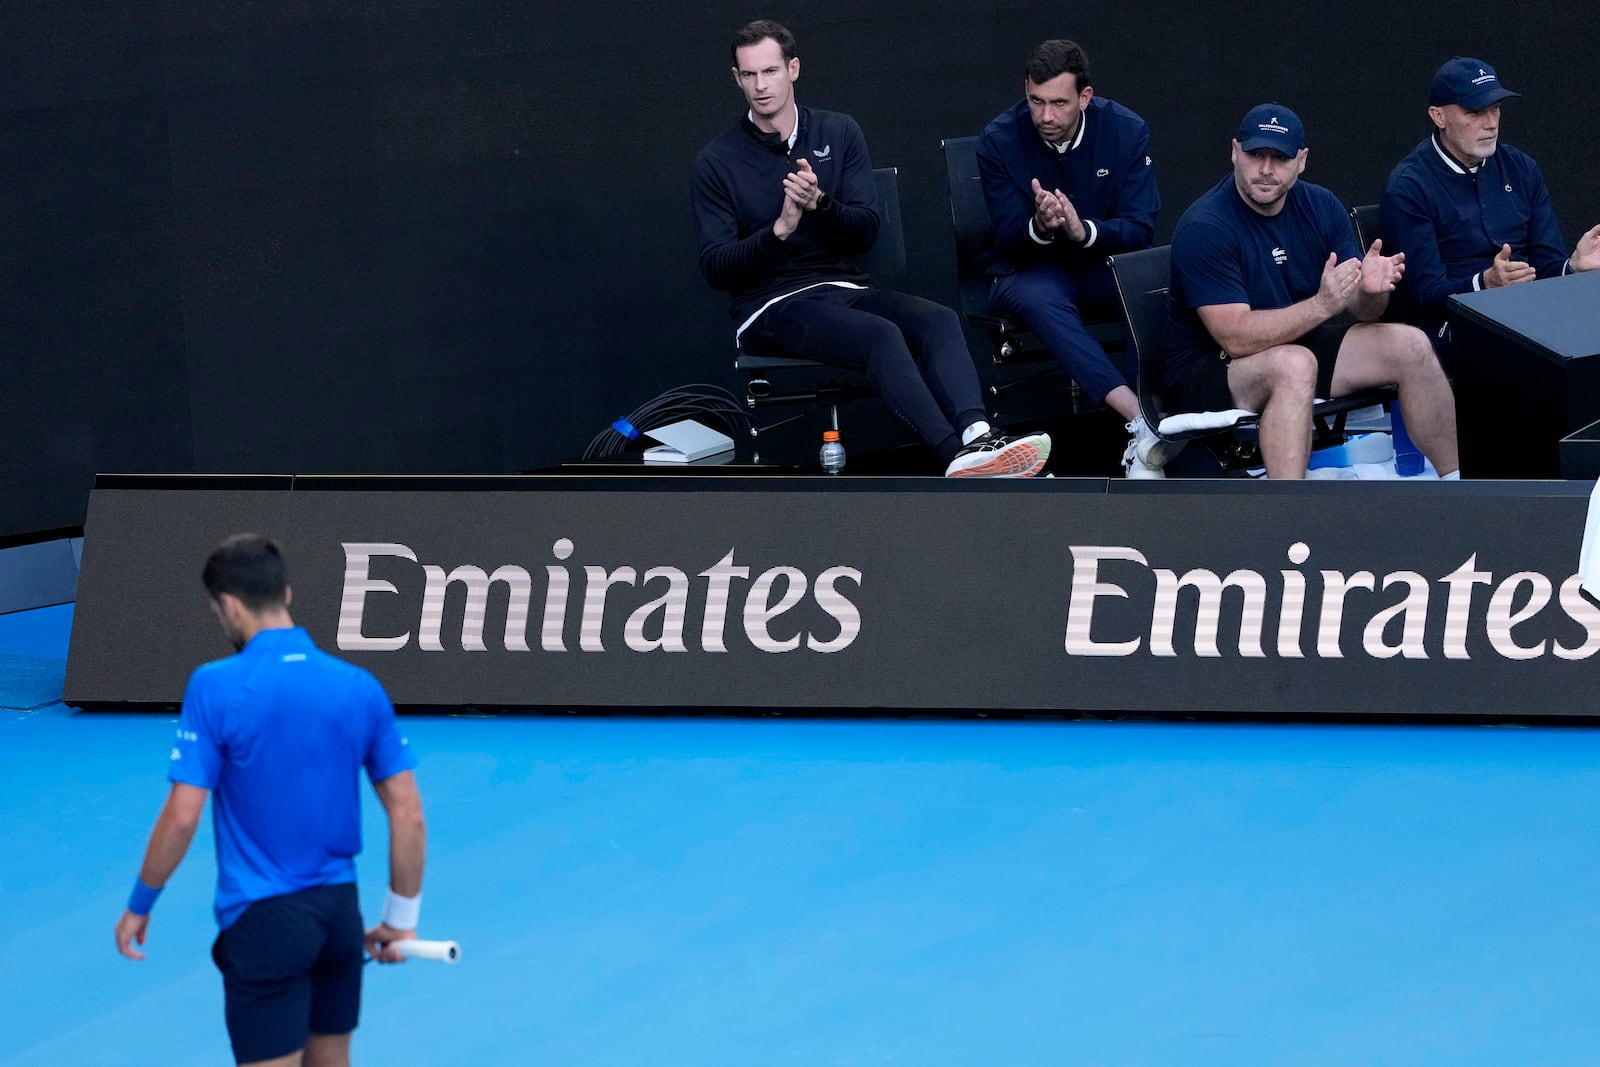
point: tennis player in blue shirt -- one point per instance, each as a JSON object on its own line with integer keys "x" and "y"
{"x": 1272, "y": 305}
{"x": 280, "y": 733}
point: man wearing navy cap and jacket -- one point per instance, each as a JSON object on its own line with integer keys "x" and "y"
{"x": 1469, "y": 212}
{"x": 1272, "y": 305}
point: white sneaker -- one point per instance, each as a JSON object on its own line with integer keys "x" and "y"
{"x": 995, "y": 456}
{"x": 1146, "y": 453}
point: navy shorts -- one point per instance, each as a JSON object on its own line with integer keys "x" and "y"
{"x": 291, "y": 967}
{"x": 1203, "y": 384}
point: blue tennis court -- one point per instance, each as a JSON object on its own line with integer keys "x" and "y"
{"x": 880, "y": 891}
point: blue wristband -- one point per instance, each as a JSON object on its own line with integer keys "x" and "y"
{"x": 143, "y": 898}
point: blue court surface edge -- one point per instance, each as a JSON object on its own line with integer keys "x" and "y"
{"x": 874, "y": 891}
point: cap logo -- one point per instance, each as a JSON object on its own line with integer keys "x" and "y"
{"x": 1483, "y": 76}
{"x": 1273, "y": 126}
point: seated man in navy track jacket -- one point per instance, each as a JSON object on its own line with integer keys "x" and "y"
{"x": 1469, "y": 212}
{"x": 1068, "y": 181}
{"x": 784, "y": 207}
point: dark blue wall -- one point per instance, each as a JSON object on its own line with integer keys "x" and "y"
{"x": 454, "y": 236}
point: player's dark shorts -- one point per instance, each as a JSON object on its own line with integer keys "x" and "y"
{"x": 291, "y": 967}
{"x": 1203, "y": 384}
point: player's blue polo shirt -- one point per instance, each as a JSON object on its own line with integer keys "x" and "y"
{"x": 279, "y": 734}
{"x": 1225, "y": 252}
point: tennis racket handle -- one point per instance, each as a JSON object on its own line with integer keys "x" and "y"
{"x": 413, "y": 949}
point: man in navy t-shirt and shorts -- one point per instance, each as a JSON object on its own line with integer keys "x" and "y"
{"x": 280, "y": 733}
{"x": 1272, "y": 305}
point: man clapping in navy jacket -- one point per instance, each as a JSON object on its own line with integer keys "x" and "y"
{"x": 1068, "y": 180}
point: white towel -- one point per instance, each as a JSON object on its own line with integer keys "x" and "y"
{"x": 1190, "y": 421}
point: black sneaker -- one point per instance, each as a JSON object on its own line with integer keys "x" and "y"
{"x": 995, "y": 456}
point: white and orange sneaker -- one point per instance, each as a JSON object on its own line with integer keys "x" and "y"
{"x": 995, "y": 456}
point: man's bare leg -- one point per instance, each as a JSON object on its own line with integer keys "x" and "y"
{"x": 1388, "y": 353}
{"x": 1279, "y": 382}
{"x": 293, "y": 1059}
{"x": 328, "y": 1050}
{"x": 1123, "y": 401}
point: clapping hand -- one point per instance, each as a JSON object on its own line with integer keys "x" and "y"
{"x": 1339, "y": 280}
{"x": 1052, "y": 210}
{"x": 800, "y": 194}
{"x": 1586, "y": 256}
{"x": 800, "y": 185}
{"x": 1381, "y": 273}
{"x": 1507, "y": 271}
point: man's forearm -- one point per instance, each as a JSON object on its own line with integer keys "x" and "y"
{"x": 1258, "y": 330}
{"x": 408, "y": 846}
{"x": 850, "y": 227}
{"x": 728, "y": 265}
{"x": 1122, "y": 234}
{"x": 169, "y": 843}
{"x": 408, "y": 833}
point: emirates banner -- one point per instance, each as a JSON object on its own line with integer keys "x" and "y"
{"x": 897, "y": 594}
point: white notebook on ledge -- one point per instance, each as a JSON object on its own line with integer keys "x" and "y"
{"x": 684, "y": 442}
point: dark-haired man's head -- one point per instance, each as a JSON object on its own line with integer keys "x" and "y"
{"x": 762, "y": 30}
{"x": 248, "y": 582}
{"x": 1056, "y": 57}
{"x": 1056, "y": 85}
{"x": 765, "y": 68}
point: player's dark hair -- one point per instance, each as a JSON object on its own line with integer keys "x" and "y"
{"x": 249, "y": 566}
{"x": 1056, "y": 57}
{"x": 758, "y": 31}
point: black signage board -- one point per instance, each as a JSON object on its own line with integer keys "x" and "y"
{"x": 1205, "y": 597}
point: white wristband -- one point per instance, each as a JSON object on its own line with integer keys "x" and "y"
{"x": 401, "y": 913}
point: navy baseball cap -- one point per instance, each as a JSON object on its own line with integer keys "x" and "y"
{"x": 1469, "y": 82}
{"x": 1271, "y": 126}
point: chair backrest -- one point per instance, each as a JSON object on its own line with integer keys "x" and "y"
{"x": 1364, "y": 220}
{"x": 970, "y": 215}
{"x": 1142, "y": 279}
{"x": 886, "y": 262}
